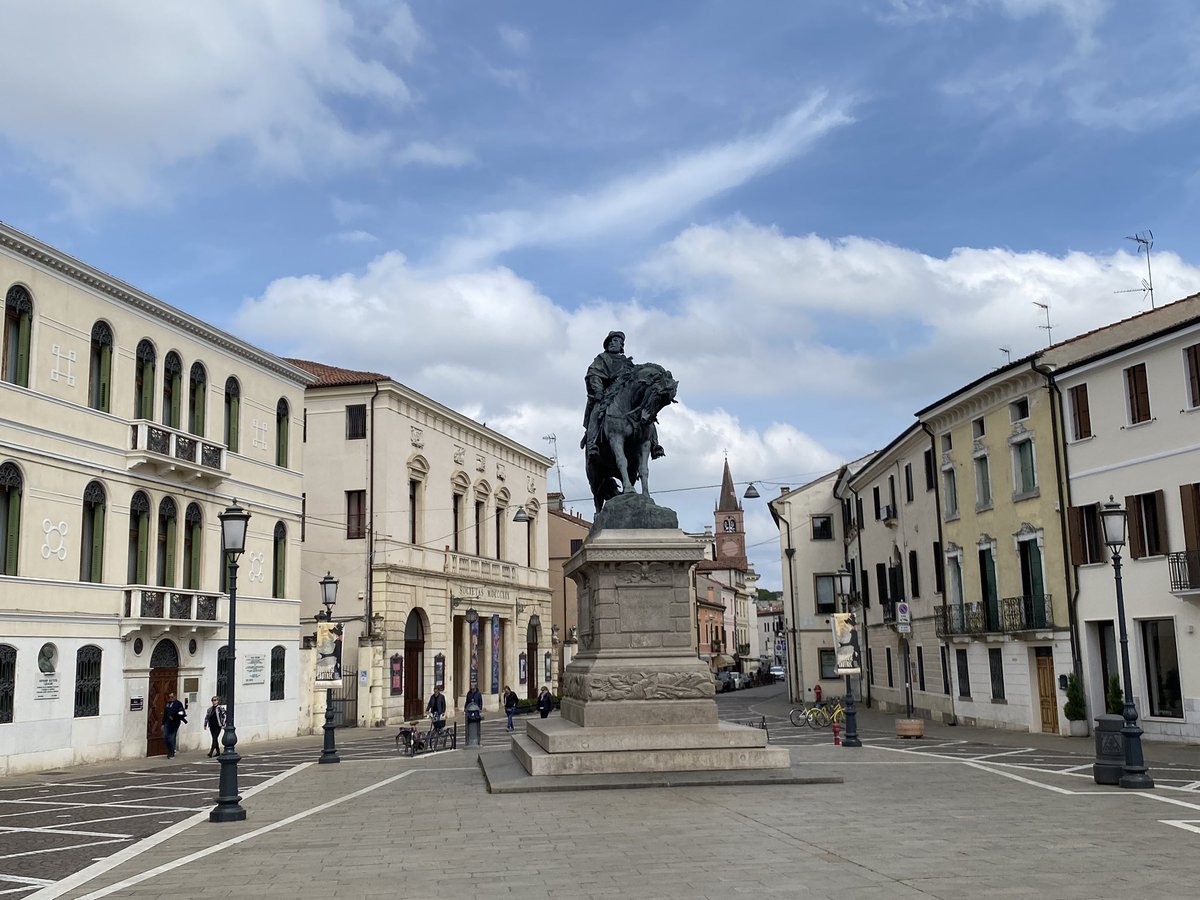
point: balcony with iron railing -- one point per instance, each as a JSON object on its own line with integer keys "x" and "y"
{"x": 169, "y": 451}
{"x": 1185, "y": 571}
{"x": 1013, "y": 615}
{"x": 147, "y": 606}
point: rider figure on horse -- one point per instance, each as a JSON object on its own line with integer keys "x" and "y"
{"x": 605, "y": 371}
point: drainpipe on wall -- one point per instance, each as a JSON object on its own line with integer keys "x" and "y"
{"x": 1062, "y": 475}
{"x": 370, "y": 592}
{"x": 937, "y": 514}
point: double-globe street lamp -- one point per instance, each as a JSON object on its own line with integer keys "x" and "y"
{"x": 843, "y": 580}
{"x": 1115, "y": 519}
{"x": 233, "y": 543}
{"x": 329, "y": 754}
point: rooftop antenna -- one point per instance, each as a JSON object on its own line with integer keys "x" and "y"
{"x": 1007, "y": 355}
{"x": 1144, "y": 240}
{"x": 1046, "y": 309}
{"x": 553, "y": 439}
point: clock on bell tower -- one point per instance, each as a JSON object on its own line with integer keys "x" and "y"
{"x": 731, "y": 543}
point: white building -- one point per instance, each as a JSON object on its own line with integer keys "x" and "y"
{"x": 411, "y": 506}
{"x": 1132, "y": 430}
{"x": 126, "y": 427}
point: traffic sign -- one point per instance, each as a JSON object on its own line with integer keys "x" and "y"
{"x": 903, "y": 615}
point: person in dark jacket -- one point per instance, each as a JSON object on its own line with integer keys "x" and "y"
{"x": 474, "y": 698}
{"x": 437, "y": 708}
{"x": 510, "y": 705}
{"x": 545, "y": 702}
{"x": 214, "y": 721}
{"x": 174, "y": 715}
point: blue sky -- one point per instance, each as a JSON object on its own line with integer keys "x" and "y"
{"x": 821, "y": 215}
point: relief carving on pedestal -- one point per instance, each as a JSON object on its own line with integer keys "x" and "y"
{"x": 638, "y": 572}
{"x": 639, "y": 686}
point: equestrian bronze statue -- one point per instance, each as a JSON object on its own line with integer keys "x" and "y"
{"x": 624, "y": 399}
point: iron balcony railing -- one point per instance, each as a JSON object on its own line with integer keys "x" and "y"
{"x": 1010, "y": 616}
{"x": 166, "y": 603}
{"x": 1185, "y": 570}
{"x": 166, "y": 448}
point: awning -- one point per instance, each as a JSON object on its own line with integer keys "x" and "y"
{"x": 721, "y": 660}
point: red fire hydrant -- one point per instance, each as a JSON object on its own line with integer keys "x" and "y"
{"x": 837, "y": 735}
{"x": 817, "y": 693}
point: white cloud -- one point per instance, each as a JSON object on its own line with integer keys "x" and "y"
{"x": 515, "y": 39}
{"x": 110, "y": 106}
{"x": 355, "y": 237}
{"x": 636, "y": 204}
{"x": 426, "y": 154}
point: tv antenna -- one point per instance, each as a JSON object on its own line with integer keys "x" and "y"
{"x": 1007, "y": 354}
{"x": 553, "y": 439}
{"x": 1046, "y": 309}
{"x": 1144, "y": 240}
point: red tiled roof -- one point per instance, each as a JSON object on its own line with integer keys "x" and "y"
{"x": 334, "y": 376}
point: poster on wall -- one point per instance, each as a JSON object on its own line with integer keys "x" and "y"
{"x": 329, "y": 654}
{"x": 495, "y": 653}
{"x": 439, "y": 671}
{"x": 549, "y": 668}
{"x": 474, "y": 681}
{"x": 397, "y": 674}
{"x": 845, "y": 641}
{"x": 523, "y": 669}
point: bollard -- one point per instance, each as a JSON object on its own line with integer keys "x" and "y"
{"x": 837, "y": 735}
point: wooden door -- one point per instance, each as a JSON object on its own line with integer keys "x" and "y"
{"x": 414, "y": 684}
{"x": 1047, "y": 695}
{"x": 162, "y": 682}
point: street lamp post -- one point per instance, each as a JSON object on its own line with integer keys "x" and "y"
{"x": 329, "y": 754}
{"x": 842, "y": 579}
{"x": 233, "y": 542}
{"x": 1114, "y": 519}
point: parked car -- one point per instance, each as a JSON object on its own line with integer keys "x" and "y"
{"x": 778, "y": 673}
{"x": 726, "y": 681}
{"x": 743, "y": 680}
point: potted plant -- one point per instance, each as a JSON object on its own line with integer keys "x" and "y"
{"x": 1115, "y": 701}
{"x": 1075, "y": 709}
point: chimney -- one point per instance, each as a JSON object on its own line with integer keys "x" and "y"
{"x": 554, "y": 500}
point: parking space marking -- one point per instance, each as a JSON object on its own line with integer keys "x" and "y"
{"x": 55, "y": 829}
{"x": 61, "y": 849}
{"x": 1192, "y": 825}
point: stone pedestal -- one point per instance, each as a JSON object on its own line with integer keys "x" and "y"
{"x": 636, "y": 698}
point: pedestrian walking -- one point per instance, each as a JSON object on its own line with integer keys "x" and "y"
{"x": 510, "y": 705}
{"x": 473, "y": 704}
{"x": 545, "y": 702}
{"x": 174, "y": 715}
{"x": 437, "y": 708}
{"x": 214, "y": 721}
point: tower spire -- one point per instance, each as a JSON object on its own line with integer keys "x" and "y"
{"x": 728, "y": 500}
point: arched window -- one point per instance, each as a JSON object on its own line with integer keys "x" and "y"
{"x": 87, "y": 681}
{"x": 100, "y": 368}
{"x": 233, "y": 404}
{"x": 278, "y": 655}
{"x": 143, "y": 381}
{"x": 139, "y": 538}
{"x": 222, "y": 690}
{"x": 172, "y": 385}
{"x": 167, "y": 539}
{"x": 8, "y": 682}
{"x": 197, "y": 399}
{"x": 18, "y": 323}
{"x": 192, "y": 530}
{"x": 91, "y": 548}
{"x": 10, "y": 517}
{"x": 281, "y": 433}
{"x": 279, "y": 568}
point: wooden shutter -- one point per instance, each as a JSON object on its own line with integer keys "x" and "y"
{"x": 97, "y": 573}
{"x": 1160, "y": 521}
{"x": 1193, "y": 365}
{"x": 1189, "y": 500}
{"x": 13, "y": 531}
{"x": 169, "y": 556}
{"x": 194, "y": 529}
{"x": 105, "y": 385}
{"x": 146, "y": 411}
{"x": 913, "y": 576}
{"x": 1137, "y": 545}
{"x": 866, "y": 589}
{"x": 198, "y": 395}
{"x": 143, "y": 546}
{"x": 1075, "y": 529}
{"x": 24, "y": 321}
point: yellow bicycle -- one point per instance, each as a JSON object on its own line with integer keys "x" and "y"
{"x": 819, "y": 716}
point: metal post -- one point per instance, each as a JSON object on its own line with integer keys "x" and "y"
{"x": 229, "y": 808}
{"x": 1135, "y": 766}
{"x": 851, "y": 739}
{"x": 329, "y": 753}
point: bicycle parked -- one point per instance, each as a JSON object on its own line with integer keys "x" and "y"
{"x": 819, "y": 715}
{"x": 411, "y": 740}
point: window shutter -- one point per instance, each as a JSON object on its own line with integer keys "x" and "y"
{"x": 1189, "y": 499}
{"x": 195, "y": 562}
{"x": 913, "y": 576}
{"x": 24, "y": 322}
{"x": 198, "y": 407}
{"x": 1137, "y": 545}
{"x": 143, "y": 546}
{"x": 1075, "y": 528}
{"x": 97, "y": 573}
{"x": 231, "y": 428}
{"x": 939, "y": 578}
{"x": 13, "y": 531}
{"x": 1083, "y": 413}
{"x": 281, "y": 439}
{"x": 175, "y": 398}
{"x": 1161, "y": 521}
{"x": 866, "y": 590}
{"x": 146, "y": 411}
{"x": 169, "y": 565}
{"x": 105, "y": 377}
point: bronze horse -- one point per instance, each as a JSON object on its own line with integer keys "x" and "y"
{"x": 627, "y": 431}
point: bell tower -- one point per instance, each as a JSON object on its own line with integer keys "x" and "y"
{"x": 730, "y": 529}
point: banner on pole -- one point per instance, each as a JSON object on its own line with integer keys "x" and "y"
{"x": 845, "y": 641}
{"x": 329, "y": 654}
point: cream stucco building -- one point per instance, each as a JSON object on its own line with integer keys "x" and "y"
{"x": 411, "y": 506}
{"x": 126, "y": 427}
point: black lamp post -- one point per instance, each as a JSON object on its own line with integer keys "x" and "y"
{"x": 233, "y": 542}
{"x": 843, "y": 580}
{"x": 1114, "y": 519}
{"x": 329, "y": 754}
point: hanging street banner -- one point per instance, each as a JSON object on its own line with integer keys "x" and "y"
{"x": 845, "y": 642}
{"x": 474, "y": 680}
{"x": 495, "y": 653}
{"x": 329, "y": 654}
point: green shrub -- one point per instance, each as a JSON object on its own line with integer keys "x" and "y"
{"x": 1075, "y": 708}
{"x": 1115, "y": 701}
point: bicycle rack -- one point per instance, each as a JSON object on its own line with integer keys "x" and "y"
{"x": 761, "y": 722}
